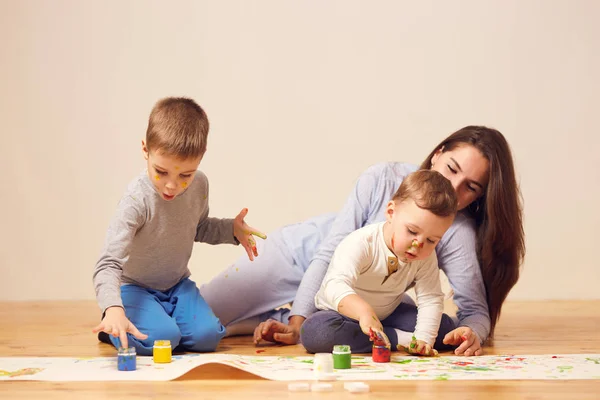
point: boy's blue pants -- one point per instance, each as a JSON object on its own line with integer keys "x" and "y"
{"x": 179, "y": 314}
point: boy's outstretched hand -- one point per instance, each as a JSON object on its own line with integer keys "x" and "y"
{"x": 243, "y": 233}
{"x": 116, "y": 323}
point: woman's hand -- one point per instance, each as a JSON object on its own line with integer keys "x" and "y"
{"x": 467, "y": 341}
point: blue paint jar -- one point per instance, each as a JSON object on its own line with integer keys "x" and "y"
{"x": 126, "y": 359}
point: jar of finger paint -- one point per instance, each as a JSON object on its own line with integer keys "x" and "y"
{"x": 126, "y": 359}
{"x": 161, "y": 352}
{"x": 381, "y": 354}
{"x": 322, "y": 365}
{"x": 342, "y": 356}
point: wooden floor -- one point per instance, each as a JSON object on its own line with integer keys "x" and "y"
{"x": 64, "y": 329}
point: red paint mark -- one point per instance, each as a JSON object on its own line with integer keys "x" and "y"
{"x": 554, "y": 357}
{"x": 259, "y": 351}
{"x": 462, "y": 363}
{"x": 254, "y": 250}
{"x": 464, "y": 338}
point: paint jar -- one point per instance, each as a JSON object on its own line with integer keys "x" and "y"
{"x": 323, "y": 364}
{"x": 161, "y": 352}
{"x": 126, "y": 359}
{"x": 342, "y": 357}
{"x": 381, "y": 354}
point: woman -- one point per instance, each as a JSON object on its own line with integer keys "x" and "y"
{"x": 480, "y": 254}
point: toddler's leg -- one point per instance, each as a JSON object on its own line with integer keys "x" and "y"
{"x": 404, "y": 318}
{"x": 144, "y": 310}
{"x": 200, "y": 329}
{"x": 249, "y": 288}
{"x": 324, "y": 329}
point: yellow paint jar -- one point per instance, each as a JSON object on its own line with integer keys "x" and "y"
{"x": 161, "y": 351}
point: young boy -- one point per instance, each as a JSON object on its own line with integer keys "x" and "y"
{"x": 142, "y": 276}
{"x": 373, "y": 267}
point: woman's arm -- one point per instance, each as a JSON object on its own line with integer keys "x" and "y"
{"x": 353, "y": 216}
{"x": 457, "y": 257}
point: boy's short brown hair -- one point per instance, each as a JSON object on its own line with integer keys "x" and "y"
{"x": 430, "y": 191}
{"x": 177, "y": 126}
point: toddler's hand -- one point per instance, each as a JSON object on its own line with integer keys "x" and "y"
{"x": 419, "y": 348}
{"x": 116, "y": 323}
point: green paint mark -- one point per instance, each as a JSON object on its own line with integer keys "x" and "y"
{"x": 307, "y": 361}
{"x": 421, "y": 361}
{"x": 403, "y": 361}
{"x": 374, "y": 318}
{"x": 443, "y": 377}
{"x": 564, "y": 368}
{"x": 401, "y": 376}
{"x": 469, "y": 368}
{"x": 594, "y": 360}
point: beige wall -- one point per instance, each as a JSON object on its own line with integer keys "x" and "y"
{"x": 302, "y": 97}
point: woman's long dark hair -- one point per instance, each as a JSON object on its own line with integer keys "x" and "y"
{"x": 498, "y": 214}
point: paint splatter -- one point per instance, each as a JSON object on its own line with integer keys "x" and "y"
{"x": 402, "y": 361}
{"x": 237, "y": 269}
{"x": 259, "y": 351}
{"x": 157, "y": 177}
{"x": 184, "y": 185}
{"x": 21, "y": 372}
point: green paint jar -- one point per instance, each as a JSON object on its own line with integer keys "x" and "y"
{"x": 342, "y": 357}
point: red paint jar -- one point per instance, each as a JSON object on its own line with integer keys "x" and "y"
{"x": 381, "y": 354}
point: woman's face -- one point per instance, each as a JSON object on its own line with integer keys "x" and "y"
{"x": 466, "y": 168}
